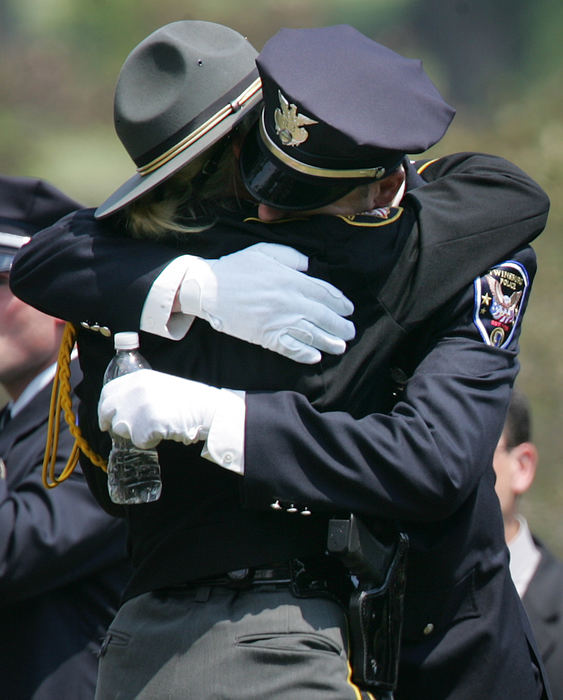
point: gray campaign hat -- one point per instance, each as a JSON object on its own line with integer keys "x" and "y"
{"x": 27, "y": 205}
{"x": 339, "y": 110}
{"x": 180, "y": 90}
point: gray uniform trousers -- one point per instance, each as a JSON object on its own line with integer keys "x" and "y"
{"x": 227, "y": 644}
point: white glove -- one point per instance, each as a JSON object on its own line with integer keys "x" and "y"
{"x": 148, "y": 406}
{"x": 260, "y": 295}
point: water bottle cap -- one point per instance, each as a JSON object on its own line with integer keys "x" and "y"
{"x": 128, "y": 340}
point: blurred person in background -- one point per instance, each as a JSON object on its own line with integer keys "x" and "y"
{"x": 536, "y": 572}
{"x": 62, "y": 559}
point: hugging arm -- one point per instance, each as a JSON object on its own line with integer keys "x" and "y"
{"x": 81, "y": 270}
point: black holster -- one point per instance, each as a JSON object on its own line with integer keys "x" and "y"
{"x": 377, "y": 559}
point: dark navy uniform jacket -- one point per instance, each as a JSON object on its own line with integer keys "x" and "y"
{"x": 62, "y": 568}
{"x": 402, "y": 427}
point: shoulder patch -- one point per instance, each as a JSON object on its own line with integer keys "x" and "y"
{"x": 499, "y": 298}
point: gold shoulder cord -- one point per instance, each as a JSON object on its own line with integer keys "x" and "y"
{"x": 61, "y": 400}
{"x": 425, "y": 165}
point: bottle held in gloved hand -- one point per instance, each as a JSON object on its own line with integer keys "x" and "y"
{"x": 133, "y": 473}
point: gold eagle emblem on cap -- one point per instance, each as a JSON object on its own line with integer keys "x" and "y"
{"x": 290, "y": 124}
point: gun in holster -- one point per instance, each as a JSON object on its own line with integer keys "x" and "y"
{"x": 377, "y": 559}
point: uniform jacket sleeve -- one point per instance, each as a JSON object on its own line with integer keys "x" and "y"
{"x": 48, "y": 538}
{"x": 81, "y": 269}
{"x": 475, "y": 209}
{"x": 418, "y": 462}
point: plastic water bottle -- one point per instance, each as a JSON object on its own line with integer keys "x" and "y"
{"x": 133, "y": 473}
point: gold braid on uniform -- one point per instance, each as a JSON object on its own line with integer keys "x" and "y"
{"x": 61, "y": 400}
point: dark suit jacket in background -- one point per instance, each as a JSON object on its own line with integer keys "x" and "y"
{"x": 62, "y": 568}
{"x": 543, "y": 601}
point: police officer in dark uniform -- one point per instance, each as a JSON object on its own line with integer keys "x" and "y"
{"x": 62, "y": 562}
{"x": 233, "y": 594}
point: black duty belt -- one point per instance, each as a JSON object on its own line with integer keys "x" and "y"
{"x": 324, "y": 576}
{"x": 275, "y": 574}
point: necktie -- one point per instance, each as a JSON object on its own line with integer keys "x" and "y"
{"x": 5, "y": 416}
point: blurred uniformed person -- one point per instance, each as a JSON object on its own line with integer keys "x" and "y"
{"x": 62, "y": 559}
{"x": 233, "y": 594}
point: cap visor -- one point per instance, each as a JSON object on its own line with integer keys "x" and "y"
{"x": 272, "y": 183}
{"x": 6, "y": 261}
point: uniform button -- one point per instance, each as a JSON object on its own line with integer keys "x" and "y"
{"x": 428, "y": 629}
{"x": 228, "y": 457}
{"x": 216, "y": 323}
{"x": 292, "y": 509}
{"x": 95, "y": 327}
{"x": 85, "y": 324}
{"x": 105, "y": 331}
{"x": 275, "y": 505}
{"x": 305, "y": 511}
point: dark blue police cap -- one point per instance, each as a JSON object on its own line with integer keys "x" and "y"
{"x": 339, "y": 110}
{"x": 26, "y": 206}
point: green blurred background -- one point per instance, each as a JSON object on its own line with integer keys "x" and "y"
{"x": 499, "y": 62}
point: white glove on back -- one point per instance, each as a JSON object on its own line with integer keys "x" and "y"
{"x": 148, "y": 406}
{"x": 260, "y": 295}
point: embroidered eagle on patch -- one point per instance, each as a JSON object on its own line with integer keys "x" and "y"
{"x": 290, "y": 124}
{"x": 503, "y": 306}
{"x": 499, "y": 298}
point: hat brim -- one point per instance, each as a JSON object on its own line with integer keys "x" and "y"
{"x": 139, "y": 185}
{"x": 272, "y": 183}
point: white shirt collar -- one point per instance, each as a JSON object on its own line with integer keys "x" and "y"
{"x": 400, "y": 194}
{"x": 524, "y": 557}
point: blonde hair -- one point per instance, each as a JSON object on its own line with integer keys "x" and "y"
{"x": 188, "y": 201}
